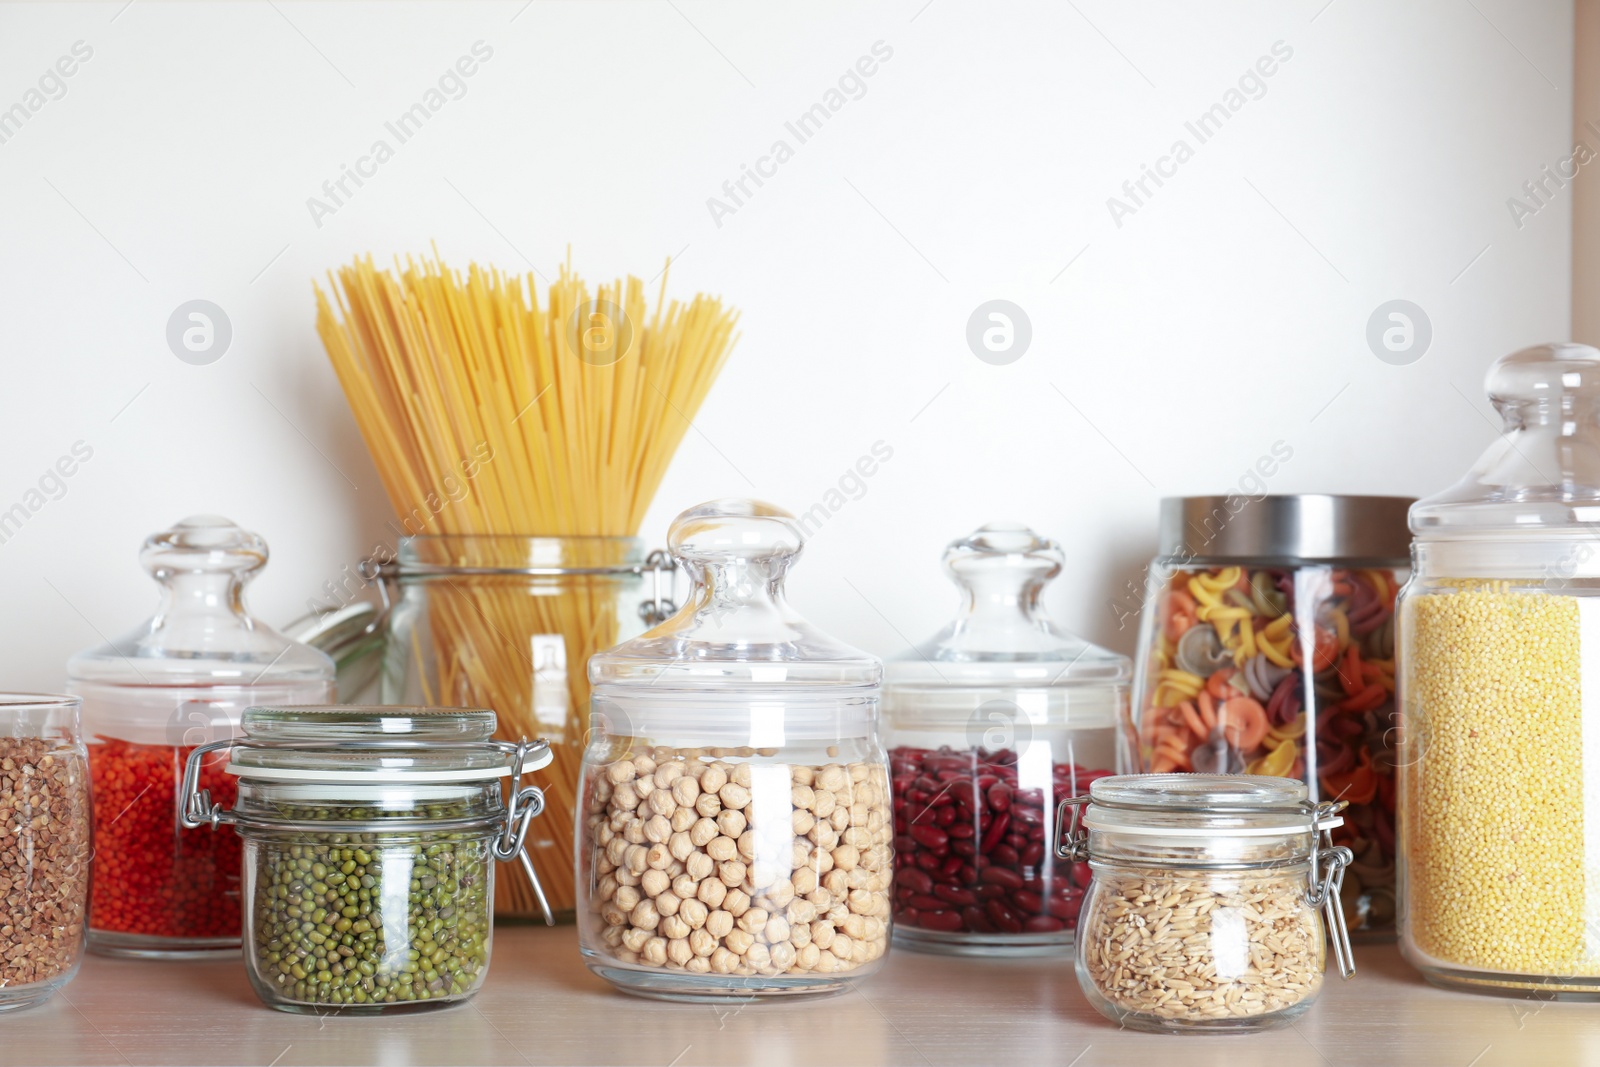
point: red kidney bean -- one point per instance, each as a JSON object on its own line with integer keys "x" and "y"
{"x": 1081, "y": 875}
{"x": 1002, "y": 877}
{"x": 947, "y": 921}
{"x": 1003, "y": 917}
{"x": 954, "y": 895}
{"x": 970, "y": 848}
{"x": 1066, "y": 908}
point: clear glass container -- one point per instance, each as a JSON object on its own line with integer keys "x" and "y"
{"x": 736, "y": 837}
{"x": 1500, "y": 757}
{"x": 181, "y": 679}
{"x": 509, "y": 623}
{"x": 1202, "y": 912}
{"x": 1267, "y": 646}
{"x": 370, "y": 839}
{"x": 991, "y": 723}
{"x": 45, "y": 846}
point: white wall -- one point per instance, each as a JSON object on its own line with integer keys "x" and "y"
{"x": 1225, "y": 315}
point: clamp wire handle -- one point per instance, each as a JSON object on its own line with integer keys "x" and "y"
{"x": 196, "y": 810}
{"x": 523, "y": 805}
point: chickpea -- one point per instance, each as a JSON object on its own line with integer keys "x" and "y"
{"x": 645, "y": 916}
{"x": 800, "y": 912}
{"x": 842, "y": 946}
{"x": 805, "y": 957}
{"x": 702, "y": 943}
{"x": 837, "y": 883}
{"x": 698, "y": 965}
{"x": 655, "y": 883}
{"x": 720, "y": 849}
{"x": 731, "y": 822}
{"x": 682, "y": 819}
{"x": 678, "y": 951}
{"x": 803, "y": 775}
{"x": 638, "y": 858}
{"x": 668, "y": 903}
{"x": 734, "y": 796}
{"x": 825, "y": 804}
{"x": 694, "y": 912}
{"x": 703, "y": 832}
{"x": 685, "y": 887}
{"x": 736, "y": 903}
{"x": 719, "y": 924}
{"x": 713, "y": 779}
{"x": 634, "y": 938}
{"x": 762, "y": 874}
{"x": 845, "y": 858}
{"x": 644, "y": 765}
{"x": 699, "y": 866}
{"x": 686, "y": 791}
{"x": 805, "y": 881}
{"x": 753, "y": 920}
{"x": 801, "y": 822}
{"x": 672, "y": 927}
{"x": 739, "y": 941}
{"x": 740, "y": 774}
{"x": 732, "y": 873}
{"x": 655, "y": 951}
{"x": 620, "y": 772}
{"x": 668, "y": 773}
{"x": 822, "y": 933}
{"x": 747, "y": 845}
{"x": 658, "y": 857}
{"x": 723, "y": 961}
{"x": 627, "y": 897}
{"x": 711, "y": 892}
{"x": 783, "y": 956}
{"x": 758, "y": 956}
{"x": 776, "y": 929}
{"x": 680, "y": 846}
{"x": 633, "y": 831}
{"x": 780, "y": 893}
{"x": 707, "y": 805}
{"x": 661, "y": 802}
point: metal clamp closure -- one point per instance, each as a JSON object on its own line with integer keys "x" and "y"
{"x": 1072, "y": 841}
{"x": 1326, "y": 885}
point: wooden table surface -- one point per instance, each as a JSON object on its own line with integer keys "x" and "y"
{"x": 541, "y": 1006}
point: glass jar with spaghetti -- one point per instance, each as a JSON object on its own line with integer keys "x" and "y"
{"x": 1267, "y": 646}
{"x": 1500, "y": 755}
{"x": 735, "y": 831}
{"x": 370, "y": 839}
{"x": 991, "y": 723}
{"x": 180, "y": 680}
{"x": 509, "y": 623}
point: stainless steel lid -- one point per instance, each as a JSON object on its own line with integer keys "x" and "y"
{"x": 1308, "y": 527}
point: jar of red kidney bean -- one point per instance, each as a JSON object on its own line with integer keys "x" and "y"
{"x": 991, "y": 724}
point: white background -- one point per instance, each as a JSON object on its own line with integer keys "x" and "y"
{"x": 1227, "y": 314}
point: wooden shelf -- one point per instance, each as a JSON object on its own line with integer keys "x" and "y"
{"x": 541, "y": 1006}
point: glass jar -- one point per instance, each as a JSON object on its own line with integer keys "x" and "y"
{"x": 370, "y": 835}
{"x": 1202, "y": 912}
{"x": 1500, "y": 859}
{"x": 1267, "y": 646}
{"x": 508, "y": 623}
{"x": 991, "y": 723}
{"x": 45, "y": 846}
{"x": 180, "y": 680}
{"x": 736, "y": 838}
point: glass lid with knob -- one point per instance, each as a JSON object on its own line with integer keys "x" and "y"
{"x": 1543, "y": 473}
{"x": 737, "y": 630}
{"x": 1002, "y": 636}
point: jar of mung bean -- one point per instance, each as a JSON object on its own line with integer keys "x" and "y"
{"x": 735, "y": 830}
{"x": 1500, "y": 698}
{"x": 370, "y": 838}
{"x": 1202, "y": 910}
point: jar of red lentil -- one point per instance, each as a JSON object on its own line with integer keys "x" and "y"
{"x": 734, "y": 830}
{"x": 1500, "y": 747}
{"x": 1267, "y": 646}
{"x": 181, "y": 680}
{"x": 991, "y": 723}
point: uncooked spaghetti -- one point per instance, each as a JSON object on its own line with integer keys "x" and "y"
{"x": 583, "y": 402}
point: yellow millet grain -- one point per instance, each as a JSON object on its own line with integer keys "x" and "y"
{"x": 1492, "y": 780}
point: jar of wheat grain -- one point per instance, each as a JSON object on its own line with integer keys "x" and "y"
{"x": 1203, "y": 907}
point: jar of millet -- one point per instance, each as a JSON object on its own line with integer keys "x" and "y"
{"x": 1500, "y": 624}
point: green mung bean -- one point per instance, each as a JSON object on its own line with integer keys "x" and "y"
{"x": 370, "y": 919}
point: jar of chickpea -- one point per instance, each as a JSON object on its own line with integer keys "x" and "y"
{"x": 1500, "y": 746}
{"x": 735, "y": 828}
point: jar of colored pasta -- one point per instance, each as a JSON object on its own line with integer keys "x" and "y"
{"x": 370, "y": 840}
{"x": 991, "y": 723}
{"x": 1267, "y": 646}
{"x": 1500, "y": 751}
{"x": 180, "y": 680}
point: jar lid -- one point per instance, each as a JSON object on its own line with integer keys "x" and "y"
{"x": 736, "y": 632}
{"x": 352, "y": 743}
{"x": 1307, "y": 527}
{"x": 1002, "y": 635}
{"x": 1543, "y": 473}
{"x": 202, "y": 634}
{"x": 1202, "y": 805}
